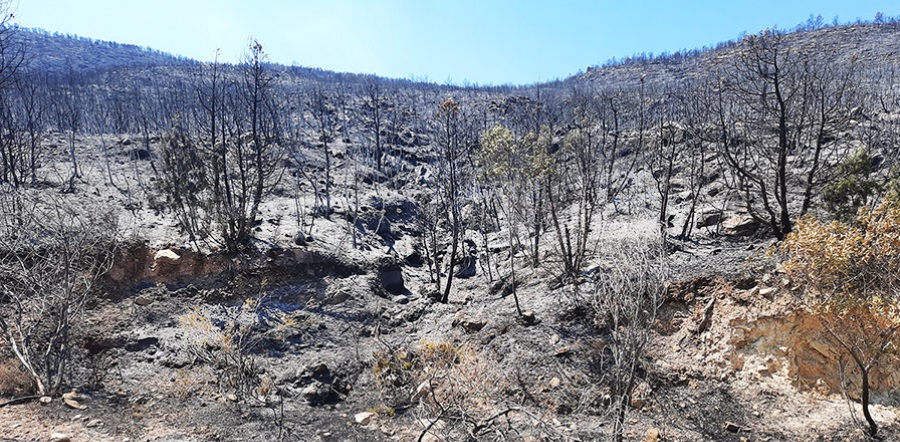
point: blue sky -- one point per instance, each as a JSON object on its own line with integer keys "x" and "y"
{"x": 484, "y": 42}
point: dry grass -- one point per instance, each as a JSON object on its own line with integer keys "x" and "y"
{"x": 13, "y": 380}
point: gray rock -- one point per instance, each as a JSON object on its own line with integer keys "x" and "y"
{"x": 466, "y": 268}
{"x": 166, "y": 256}
{"x": 709, "y": 219}
{"x": 300, "y": 239}
{"x": 364, "y": 418}
{"x": 316, "y": 393}
{"x": 390, "y": 277}
{"x": 470, "y": 325}
{"x": 60, "y": 437}
{"x": 740, "y": 225}
{"x": 339, "y": 297}
{"x": 143, "y": 301}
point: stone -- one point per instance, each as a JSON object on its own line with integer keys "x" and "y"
{"x": 470, "y": 325}
{"x": 767, "y": 292}
{"x": 140, "y": 154}
{"x": 316, "y": 393}
{"x": 71, "y": 399}
{"x": 740, "y": 225}
{"x": 380, "y": 225}
{"x": 44, "y": 400}
{"x": 528, "y": 318}
{"x": 94, "y": 423}
{"x": 640, "y": 397}
{"x": 338, "y": 297}
{"x": 60, "y": 437}
{"x": 421, "y": 391}
{"x": 709, "y": 219}
{"x": 732, "y": 427}
{"x": 554, "y": 382}
{"x": 390, "y": 277}
{"x": 166, "y": 256}
{"x": 143, "y": 301}
{"x": 364, "y": 418}
{"x": 563, "y": 351}
{"x": 300, "y": 239}
{"x": 466, "y": 268}
{"x": 652, "y": 435}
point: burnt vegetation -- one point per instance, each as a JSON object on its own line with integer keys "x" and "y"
{"x": 517, "y": 184}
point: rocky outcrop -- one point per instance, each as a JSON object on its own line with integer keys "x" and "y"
{"x": 137, "y": 264}
{"x": 796, "y": 346}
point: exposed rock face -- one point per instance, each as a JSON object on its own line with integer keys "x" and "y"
{"x": 138, "y": 263}
{"x": 797, "y": 346}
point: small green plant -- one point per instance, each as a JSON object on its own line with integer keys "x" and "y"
{"x": 383, "y": 410}
{"x": 853, "y": 188}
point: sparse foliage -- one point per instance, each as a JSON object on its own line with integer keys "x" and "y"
{"x": 215, "y": 180}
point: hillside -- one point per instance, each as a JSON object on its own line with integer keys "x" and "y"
{"x": 260, "y": 252}
{"x": 61, "y": 54}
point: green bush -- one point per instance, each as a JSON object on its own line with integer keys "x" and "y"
{"x": 853, "y": 188}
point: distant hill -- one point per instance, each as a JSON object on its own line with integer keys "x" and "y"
{"x": 58, "y": 53}
{"x": 871, "y": 44}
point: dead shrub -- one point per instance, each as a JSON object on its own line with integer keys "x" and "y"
{"x": 228, "y": 338}
{"x": 454, "y": 390}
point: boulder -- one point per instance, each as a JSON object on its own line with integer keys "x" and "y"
{"x": 470, "y": 325}
{"x": 740, "y": 225}
{"x": 166, "y": 256}
{"x": 364, "y": 418}
{"x": 140, "y": 154}
{"x": 466, "y": 268}
{"x": 300, "y": 239}
{"x": 381, "y": 226}
{"x": 709, "y": 219}
{"x": 143, "y": 300}
{"x": 340, "y": 296}
{"x": 390, "y": 277}
{"x": 60, "y": 437}
{"x": 316, "y": 393}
